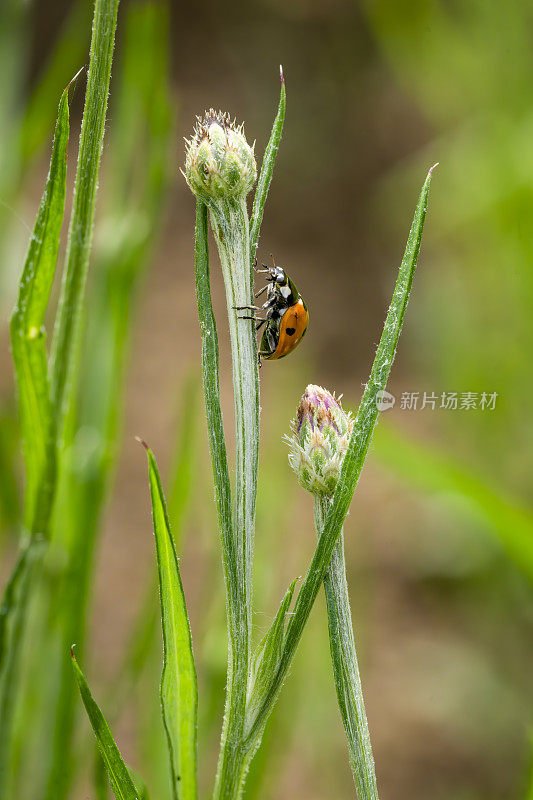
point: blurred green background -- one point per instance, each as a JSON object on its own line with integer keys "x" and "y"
{"x": 440, "y": 537}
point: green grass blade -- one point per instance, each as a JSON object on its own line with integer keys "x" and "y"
{"x": 129, "y": 221}
{"x": 68, "y": 322}
{"x": 119, "y": 777}
{"x": 142, "y": 639}
{"x": 353, "y": 461}
{"x": 36, "y": 419}
{"x": 28, "y": 337}
{"x": 511, "y": 522}
{"x": 265, "y": 175}
{"x": 179, "y": 695}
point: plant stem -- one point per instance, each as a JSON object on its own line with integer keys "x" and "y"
{"x": 344, "y": 661}
{"x": 217, "y": 446}
{"x": 229, "y": 220}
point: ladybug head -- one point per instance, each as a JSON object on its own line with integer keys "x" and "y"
{"x": 278, "y": 275}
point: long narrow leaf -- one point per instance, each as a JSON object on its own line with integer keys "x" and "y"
{"x": 28, "y": 338}
{"x": 353, "y": 461}
{"x": 129, "y": 220}
{"x": 68, "y": 322}
{"x": 179, "y": 695}
{"x": 36, "y": 420}
{"x": 267, "y": 168}
{"x": 119, "y": 776}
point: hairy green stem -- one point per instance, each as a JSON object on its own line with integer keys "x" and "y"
{"x": 229, "y": 220}
{"x": 344, "y": 661}
{"x": 217, "y": 446}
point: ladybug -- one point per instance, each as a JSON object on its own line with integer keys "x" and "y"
{"x": 286, "y": 317}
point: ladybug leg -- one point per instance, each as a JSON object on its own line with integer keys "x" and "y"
{"x": 259, "y": 270}
{"x": 260, "y": 324}
{"x": 262, "y": 319}
{"x": 271, "y": 341}
{"x": 264, "y": 307}
{"x": 261, "y": 291}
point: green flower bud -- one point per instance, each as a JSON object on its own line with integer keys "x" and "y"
{"x": 219, "y": 163}
{"x": 320, "y": 437}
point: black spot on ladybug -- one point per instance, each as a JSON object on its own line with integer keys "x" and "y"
{"x": 290, "y": 331}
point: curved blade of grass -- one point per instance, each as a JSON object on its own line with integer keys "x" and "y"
{"x": 119, "y": 777}
{"x": 37, "y": 422}
{"x": 352, "y": 464}
{"x": 179, "y": 695}
{"x": 129, "y": 220}
{"x": 28, "y": 338}
{"x": 66, "y": 334}
{"x": 265, "y": 175}
{"x": 142, "y": 636}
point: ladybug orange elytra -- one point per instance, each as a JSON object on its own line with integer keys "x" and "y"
{"x": 286, "y": 317}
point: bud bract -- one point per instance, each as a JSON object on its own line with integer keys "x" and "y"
{"x": 219, "y": 163}
{"x": 320, "y": 437}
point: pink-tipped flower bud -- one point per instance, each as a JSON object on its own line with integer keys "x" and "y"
{"x": 320, "y": 437}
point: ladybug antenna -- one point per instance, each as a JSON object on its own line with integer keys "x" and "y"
{"x": 273, "y": 261}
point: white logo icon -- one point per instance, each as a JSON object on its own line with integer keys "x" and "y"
{"x": 384, "y": 400}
